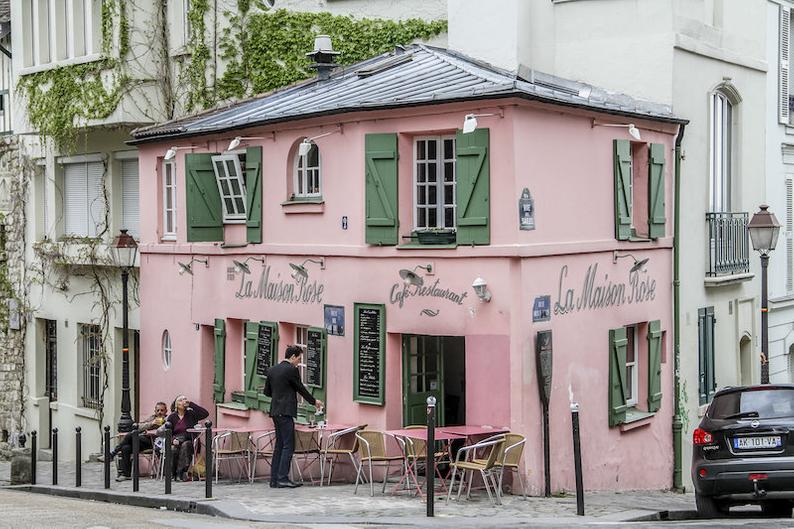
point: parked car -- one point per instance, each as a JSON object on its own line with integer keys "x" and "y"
{"x": 743, "y": 453}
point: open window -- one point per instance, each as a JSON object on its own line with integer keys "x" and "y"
{"x": 639, "y": 190}
{"x": 229, "y": 176}
{"x": 307, "y": 176}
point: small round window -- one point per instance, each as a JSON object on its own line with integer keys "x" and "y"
{"x": 167, "y": 350}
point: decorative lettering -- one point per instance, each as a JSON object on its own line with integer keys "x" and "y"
{"x": 598, "y": 292}
{"x": 275, "y": 289}
{"x": 401, "y": 292}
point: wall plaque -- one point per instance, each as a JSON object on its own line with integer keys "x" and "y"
{"x": 315, "y": 348}
{"x": 526, "y": 211}
{"x": 334, "y": 316}
{"x": 370, "y": 347}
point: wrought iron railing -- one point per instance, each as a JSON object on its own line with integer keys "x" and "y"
{"x": 729, "y": 244}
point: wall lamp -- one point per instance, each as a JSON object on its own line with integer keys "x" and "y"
{"x": 639, "y": 264}
{"x": 410, "y": 277}
{"x": 306, "y": 145}
{"x": 239, "y": 139}
{"x": 299, "y": 271}
{"x": 241, "y": 266}
{"x": 470, "y": 121}
{"x": 171, "y": 152}
{"x": 634, "y": 132}
{"x": 481, "y": 289}
{"x": 188, "y": 268}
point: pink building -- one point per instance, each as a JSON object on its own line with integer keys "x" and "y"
{"x": 363, "y": 245}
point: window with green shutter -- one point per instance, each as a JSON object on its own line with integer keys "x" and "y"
{"x": 380, "y": 172}
{"x": 707, "y": 382}
{"x": 617, "y": 373}
{"x": 654, "y": 365}
{"x": 261, "y": 346}
{"x": 219, "y": 385}
{"x": 204, "y": 211}
{"x": 656, "y": 214}
{"x": 253, "y": 190}
{"x": 312, "y": 368}
{"x": 639, "y": 195}
{"x": 622, "y": 162}
{"x": 472, "y": 187}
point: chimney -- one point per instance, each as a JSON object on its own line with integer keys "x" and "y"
{"x": 323, "y": 57}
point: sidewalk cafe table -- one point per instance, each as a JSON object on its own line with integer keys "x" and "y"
{"x": 420, "y": 434}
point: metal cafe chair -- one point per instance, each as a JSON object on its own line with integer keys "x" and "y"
{"x": 262, "y": 448}
{"x": 464, "y": 462}
{"x": 232, "y": 446}
{"x": 372, "y": 446}
{"x": 332, "y": 451}
{"x": 509, "y": 457}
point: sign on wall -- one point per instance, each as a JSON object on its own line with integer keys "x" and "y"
{"x": 369, "y": 356}
{"x": 541, "y": 309}
{"x": 526, "y": 211}
{"x": 264, "y": 348}
{"x": 334, "y": 317}
{"x": 599, "y": 291}
{"x": 315, "y": 357}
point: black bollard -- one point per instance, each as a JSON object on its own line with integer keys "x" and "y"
{"x": 33, "y": 450}
{"x": 107, "y": 456}
{"x": 577, "y": 459}
{"x": 430, "y": 462}
{"x": 136, "y": 448}
{"x": 78, "y": 457}
{"x": 54, "y": 445}
{"x": 168, "y": 469}
{"x": 208, "y": 459}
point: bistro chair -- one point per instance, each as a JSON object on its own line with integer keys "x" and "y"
{"x": 306, "y": 449}
{"x": 372, "y": 447}
{"x": 232, "y": 446}
{"x": 333, "y": 451}
{"x": 262, "y": 448}
{"x": 509, "y": 457}
{"x": 465, "y": 462}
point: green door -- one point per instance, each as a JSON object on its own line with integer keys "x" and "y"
{"x": 423, "y": 375}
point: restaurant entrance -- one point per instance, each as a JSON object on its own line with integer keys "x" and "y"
{"x": 434, "y": 365}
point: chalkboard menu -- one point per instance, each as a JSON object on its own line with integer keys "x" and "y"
{"x": 370, "y": 344}
{"x": 314, "y": 358}
{"x": 264, "y": 349}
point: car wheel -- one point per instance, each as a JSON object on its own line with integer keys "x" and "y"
{"x": 777, "y": 509}
{"x": 708, "y": 507}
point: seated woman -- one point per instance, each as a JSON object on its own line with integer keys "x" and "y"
{"x": 185, "y": 416}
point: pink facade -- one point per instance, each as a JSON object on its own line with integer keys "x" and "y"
{"x": 568, "y": 167}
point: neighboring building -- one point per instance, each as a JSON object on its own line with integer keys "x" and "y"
{"x": 708, "y": 60}
{"x": 366, "y": 248}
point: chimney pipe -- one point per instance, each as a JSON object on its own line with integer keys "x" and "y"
{"x": 323, "y": 57}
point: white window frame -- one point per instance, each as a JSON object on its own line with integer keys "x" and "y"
{"x": 59, "y": 32}
{"x": 186, "y": 26}
{"x": 440, "y": 162}
{"x": 91, "y": 368}
{"x": 169, "y": 209}
{"x": 168, "y": 350}
{"x": 720, "y": 152}
{"x": 301, "y": 174}
{"x": 236, "y": 216}
{"x": 632, "y": 368}
{"x": 301, "y": 340}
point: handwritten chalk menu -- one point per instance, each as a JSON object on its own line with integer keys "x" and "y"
{"x": 264, "y": 349}
{"x": 314, "y": 358}
{"x": 370, "y": 345}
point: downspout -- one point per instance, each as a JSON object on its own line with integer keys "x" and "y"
{"x": 678, "y": 413}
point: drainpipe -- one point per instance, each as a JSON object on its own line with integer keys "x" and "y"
{"x": 678, "y": 422}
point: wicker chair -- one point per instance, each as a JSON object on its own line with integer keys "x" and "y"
{"x": 465, "y": 462}
{"x": 233, "y": 446}
{"x": 372, "y": 447}
{"x": 332, "y": 451}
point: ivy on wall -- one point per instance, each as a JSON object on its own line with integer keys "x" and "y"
{"x": 195, "y": 74}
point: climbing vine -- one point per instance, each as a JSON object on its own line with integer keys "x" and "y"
{"x": 195, "y": 74}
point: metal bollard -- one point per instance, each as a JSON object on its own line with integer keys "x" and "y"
{"x": 430, "y": 463}
{"x": 78, "y": 457}
{"x": 136, "y": 448}
{"x": 107, "y": 456}
{"x": 208, "y": 459}
{"x": 169, "y": 454}
{"x": 577, "y": 459}
{"x": 54, "y": 445}
{"x": 33, "y": 450}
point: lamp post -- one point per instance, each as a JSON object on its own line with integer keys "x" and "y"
{"x": 764, "y": 229}
{"x": 124, "y": 250}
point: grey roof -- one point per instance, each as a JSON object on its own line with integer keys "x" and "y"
{"x": 411, "y": 76}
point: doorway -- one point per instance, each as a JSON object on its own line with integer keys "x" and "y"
{"x": 434, "y": 365}
{"x": 745, "y": 361}
{"x": 51, "y": 371}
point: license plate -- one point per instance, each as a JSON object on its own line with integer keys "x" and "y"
{"x": 755, "y": 443}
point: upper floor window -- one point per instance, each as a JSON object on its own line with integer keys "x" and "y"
{"x": 434, "y": 182}
{"x": 721, "y": 142}
{"x": 58, "y": 30}
{"x": 84, "y": 205}
{"x": 169, "y": 200}
{"x": 230, "y": 175}
{"x": 306, "y": 182}
{"x": 130, "y": 204}
{"x": 639, "y": 173}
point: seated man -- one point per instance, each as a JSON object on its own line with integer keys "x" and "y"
{"x": 152, "y": 422}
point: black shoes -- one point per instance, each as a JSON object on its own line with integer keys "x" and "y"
{"x": 287, "y": 485}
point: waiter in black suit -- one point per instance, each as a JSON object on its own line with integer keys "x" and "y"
{"x": 282, "y": 386}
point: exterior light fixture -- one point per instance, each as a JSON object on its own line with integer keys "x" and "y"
{"x": 634, "y": 132}
{"x": 188, "y": 268}
{"x": 470, "y": 121}
{"x": 125, "y": 249}
{"x": 481, "y": 289}
{"x": 299, "y": 272}
{"x": 171, "y": 152}
{"x": 239, "y": 139}
{"x": 306, "y": 145}
{"x": 638, "y": 265}
{"x": 241, "y": 266}
{"x": 410, "y": 277}
{"x": 764, "y": 229}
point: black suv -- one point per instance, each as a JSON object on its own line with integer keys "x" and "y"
{"x": 743, "y": 452}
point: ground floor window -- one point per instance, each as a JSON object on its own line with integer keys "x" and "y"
{"x": 634, "y": 350}
{"x": 91, "y": 357}
{"x": 707, "y": 382}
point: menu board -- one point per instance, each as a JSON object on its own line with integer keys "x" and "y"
{"x": 370, "y": 340}
{"x": 314, "y": 358}
{"x": 264, "y": 349}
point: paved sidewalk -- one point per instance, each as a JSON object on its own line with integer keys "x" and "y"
{"x": 338, "y": 504}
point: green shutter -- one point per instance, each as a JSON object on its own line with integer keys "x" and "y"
{"x": 472, "y": 187}
{"x": 707, "y": 383}
{"x": 219, "y": 387}
{"x": 622, "y": 168}
{"x": 204, "y": 211}
{"x": 381, "y": 189}
{"x": 617, "y": 373}
{"x": 656, "y": 218}
{"x": 654, "y": 365}
{"x": 253, "y": 191}
{"x": 253, "y": 382}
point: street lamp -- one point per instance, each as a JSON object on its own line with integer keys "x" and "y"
{"x": 764, "y": 229}
{"x": 124, "y": 251}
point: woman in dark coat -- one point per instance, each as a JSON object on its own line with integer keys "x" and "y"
{"x": 185, "y": 415}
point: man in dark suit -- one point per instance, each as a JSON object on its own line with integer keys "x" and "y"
{"x": 282, "y": 386}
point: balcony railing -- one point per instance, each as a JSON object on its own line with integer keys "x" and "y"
{"x": 729, "y": 244}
